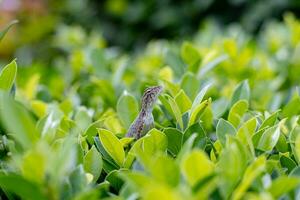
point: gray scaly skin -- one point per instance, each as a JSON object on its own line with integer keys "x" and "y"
{"x": 144, "y": 121}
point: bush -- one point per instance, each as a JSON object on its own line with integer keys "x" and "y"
{"x": 226, "y": 125}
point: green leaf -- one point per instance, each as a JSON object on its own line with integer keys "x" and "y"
{"x": 175, "y": 62}
{"x": 189, "y": 53}
{"x": 83, "y": 118}
{"x": 6, "y": 29}
{"x": 174, "y": 140}
{"x": 270, "y": 121}
{"x": 294, "y": 134}
{"x": 297, "y": 147}
{"x": 196, "y": 113}
{"x": 245, "y": 133}
{"x": 292, "y": 108}
{"x": 165, "y": 170}
{"x": 78, "y": 179}
{"x": 242, "y": 91}
{"x": 269, "y": 138}
{"x": 92, "y": 163}
{"x": 34, "y": 164}
{"x": 224, "y": 128}
{"x": 92, "y": 131}
{"x": 289, "y": 183}
{"x": 197, "y": 129}
{"x": 112, "y": 146}
{"x": 219, "y": 107}
{"x": 211, "y": 65}
{"x": 196, "y": 166}
{"x": 237, "y": 111}
{"x": 155, "y": 141}
{"x": 183, "y": 101}
{"x": 199, "y": 98}
{"x": 287, "y": 162}
{"x": 114, "y": 180}
{"x": 127, "y": 109}
{"x": 8, "y": 76}
{"x": 186, "y": 148}
{"x": 282, "y": 144}
{"x": 25, "y": 189}
{"x": 253, "y": 170}
{"x": 190, "y": 84}
{"x": 231, "y": 166}
{"x": 175, "y": 110}
{"x": 18, "y": 122}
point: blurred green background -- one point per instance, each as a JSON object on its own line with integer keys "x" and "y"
{"x": 83, "y": 65}
{"x": 60, "y": 43}
{"x": 127, "y": 24}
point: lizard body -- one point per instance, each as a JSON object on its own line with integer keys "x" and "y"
{"x": 144, "y": 121}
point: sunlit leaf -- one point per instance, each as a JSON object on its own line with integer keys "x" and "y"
{"x": 242, "y": 91}
{"x": 196, "y": 166}
{"x": 224, "y": 128}
{"x": 8, "y": 75}
{"x": 269, "y": 138}
{"x": 252, "y": 171}
{"x": 289, "y": 183}
{"x": 183, "y": 101}
{"x": 19, "y": 123}
{"x": 92, "y": 163}
{"x": 112, "y": 146}
{"x": 127, "y": 109}
{"x": 25, "y": 189}
{"x": 236, "y": 112}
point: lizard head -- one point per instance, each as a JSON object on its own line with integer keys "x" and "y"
{"x": 150, "y": 96}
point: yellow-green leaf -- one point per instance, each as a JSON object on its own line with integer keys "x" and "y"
{"x": 196, "y": 166}
{"x": 112, "y": 145}
{"x": 183, "y": 101}
{"x": 237, "y": 111}
{"x": 8, "y": 76}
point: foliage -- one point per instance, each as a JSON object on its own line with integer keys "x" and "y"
{"x": 226, "y": 126}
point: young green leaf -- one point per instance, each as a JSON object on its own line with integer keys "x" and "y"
{"x": 196, "y": 113}
{"x": 231, "y": 166}
{"x": 112, "y": 145}
{"x": 245, "y": 133}
{"x": 183, "y": 101}
{"x": 127, "y": 109}
{"x": 253, "y": 170}
{"x": 190, "y": 84}
{"x": 156, "y": 141}
{"x": 242, "y": 91}
{"x": 224, "y": 128}
{"x": 175, "y": 110}
{"x": 189, "y": 53}
{"x": 289, "y": 183}
{"x": 237, "y": 111}
{"x": 18, "y": 122}
{"x": 197, "y": 129}
{"x": 211, "y": 65}
{"x": 8, "y": 76}
{"x": 199, "y": 98}
{"x": 92, "y": 163}
{"x": 165, "y": 170}
{"x": 26, "y": 189}
{"x": 269, "y": 138}
{"x": 174, "y": 140}
{"x": 196, "y": 166}
{"x": 270, "y": 121}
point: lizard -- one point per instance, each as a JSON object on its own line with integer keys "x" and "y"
{"x": 144, "y": 121}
